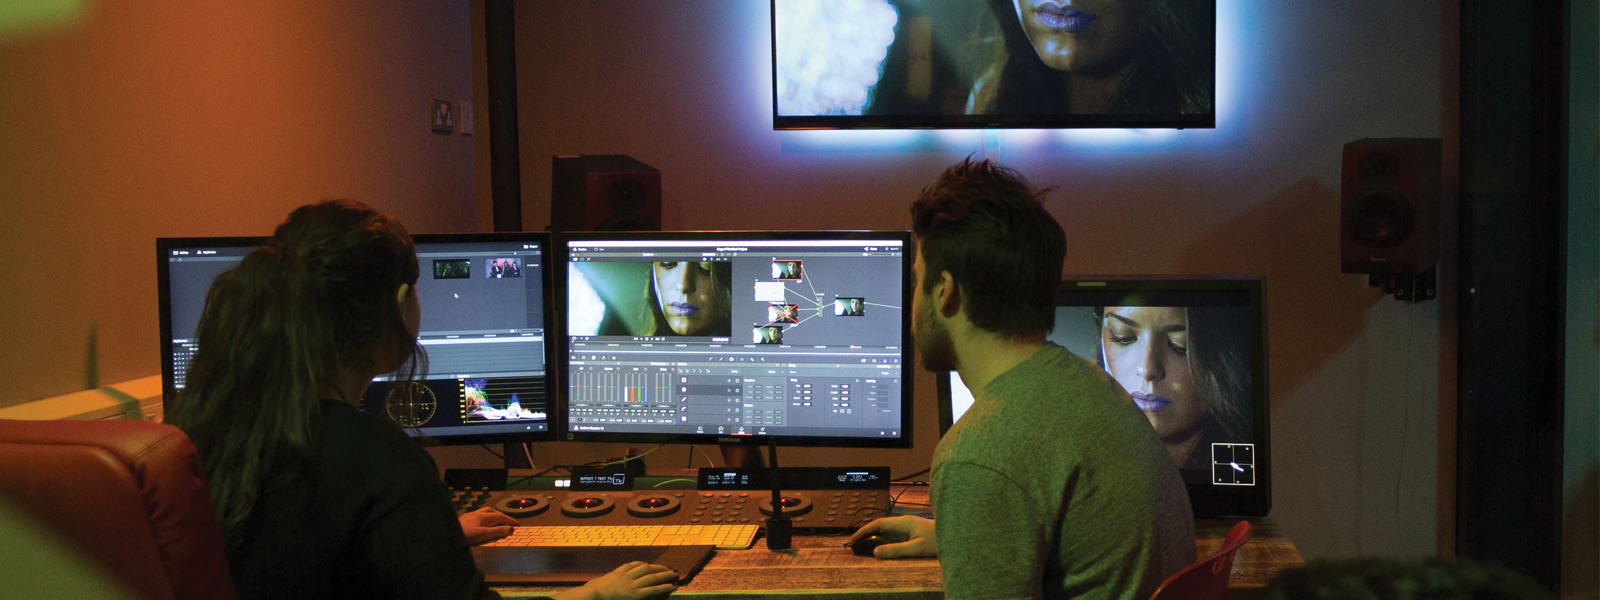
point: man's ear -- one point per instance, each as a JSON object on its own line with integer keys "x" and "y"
{"x": 947, "y": 294}
{"x": 400, "y": 296}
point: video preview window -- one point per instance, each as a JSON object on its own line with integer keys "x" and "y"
{"x": 471, "y": 292}
{"x": 503, "y": 268}
{"x": 782, "y": 299}
{"x": 1187, "y": 368}
{"x": 651, "y": 298}
{"x": 996, "y": 63}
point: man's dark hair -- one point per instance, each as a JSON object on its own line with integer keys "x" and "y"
{"x": 984, "y": 224}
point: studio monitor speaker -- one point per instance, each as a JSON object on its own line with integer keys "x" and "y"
{"x": 1389, "y": 197}
{"x": 609, "y": 192}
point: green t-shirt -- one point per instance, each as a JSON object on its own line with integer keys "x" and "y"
{"x": 1054, "y": 485}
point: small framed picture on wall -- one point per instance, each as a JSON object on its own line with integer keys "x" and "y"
{"x": 443, "y": 116}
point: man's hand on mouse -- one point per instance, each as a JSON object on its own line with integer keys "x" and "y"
{"x": 916, "y": 532}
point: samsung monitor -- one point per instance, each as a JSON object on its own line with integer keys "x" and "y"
{"x": 484, "y": 325}
{"x": 793, "y": 338}
{"x": 993, "y": 64}
{"x": 1191, "y": 354}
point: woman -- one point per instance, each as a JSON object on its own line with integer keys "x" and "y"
{"x": 1185, "y": 368}
{"x": 316, "y": 498}
{"x": 1114, "y": 57}
{"x": 688, "y": 298}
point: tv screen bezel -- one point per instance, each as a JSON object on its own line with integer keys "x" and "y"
{"x": 1208, "y": 501}
{"x": 781, "y": 122}
{"x": 907, "y": 395}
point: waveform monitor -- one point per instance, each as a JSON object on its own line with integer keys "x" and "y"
{"x": 798, "y": 338}
{"x": 483, "y": 329}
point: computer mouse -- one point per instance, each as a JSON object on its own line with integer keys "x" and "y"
{"x": 864, "y": 546}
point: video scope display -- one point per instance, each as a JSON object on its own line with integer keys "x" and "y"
{"x": 801, "y": 336}
{"x": 483, "y": 329}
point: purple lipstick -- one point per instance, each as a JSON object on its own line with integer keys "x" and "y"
{"x": 1149, "y": 402}
{"x": 680, "y": 308}
{"x": 1061, "y": 18}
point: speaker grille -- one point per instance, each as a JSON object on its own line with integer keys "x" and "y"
{"x": 1382, "y": 219}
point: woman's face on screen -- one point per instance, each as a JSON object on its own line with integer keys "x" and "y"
{"x": 1079, "y": 35}
{"x": 1146, "y": 350}
{"x": 687, "y": 294}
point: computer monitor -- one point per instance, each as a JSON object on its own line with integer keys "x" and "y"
{"x": 1191, "y": 353}
{"x": 793, "y": 338}
{"x": 484, "y": 326}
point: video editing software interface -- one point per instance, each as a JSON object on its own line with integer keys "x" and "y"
{"x": 1188, "y": 352}
{"x": 799, "y": 336}
{"x": 482, "y": 327}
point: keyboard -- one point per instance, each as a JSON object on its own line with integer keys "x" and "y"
{"x": 724, "y": 536}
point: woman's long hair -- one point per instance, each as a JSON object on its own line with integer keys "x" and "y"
{"x": 316, "y": 301}
{"x": 1219, "y": 357}
{"x": 1172, "y": 68}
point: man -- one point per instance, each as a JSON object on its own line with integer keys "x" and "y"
{"x": 1053, "y": 485}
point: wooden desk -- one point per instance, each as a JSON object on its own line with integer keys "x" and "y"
{"x": 821, "y": 567}
{"x": 1258, "y": 560}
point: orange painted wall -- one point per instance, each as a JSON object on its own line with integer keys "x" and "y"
{"x": 131, "y": 120}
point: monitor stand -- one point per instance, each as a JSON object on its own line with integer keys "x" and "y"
{"x": 741, "y": 456}
{"x": 516, "y": 458}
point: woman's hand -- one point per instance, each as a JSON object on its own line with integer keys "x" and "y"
{"x": 913, "y": 537}
{"x": 632, "y": 581}
{"x": 485, "y": 525}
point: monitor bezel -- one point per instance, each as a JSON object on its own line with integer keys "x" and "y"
{"x": 164, "y": 245}
{"x": 547, "y": 295}
{"x": 908, "y": 398}
{"x": 1208, "y": 501}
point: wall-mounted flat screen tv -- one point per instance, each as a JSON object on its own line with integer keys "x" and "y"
{"x": 914, "y": 64}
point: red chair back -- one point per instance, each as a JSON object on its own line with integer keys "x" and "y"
{"x": 1207, "y": 578}
{"x": 131, "y": 495}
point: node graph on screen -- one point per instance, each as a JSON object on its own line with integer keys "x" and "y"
{"x": 737, "y": 337}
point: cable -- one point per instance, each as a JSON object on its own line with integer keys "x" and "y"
{"x": 896, "y": 499}
{"x": 554, "y": 468}
{"x": 486, "y": 448}
{"x": 628, "y": 458}
{"x": 709, "y": 462}
{"x": 528, "y": 452}
{"x": 903, "y": 478}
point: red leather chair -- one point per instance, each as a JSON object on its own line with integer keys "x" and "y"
{"x": 131, "y": 495}
{"x": 1207, "y": 578}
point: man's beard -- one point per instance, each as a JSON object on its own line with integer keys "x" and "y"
{"x": 933, "y": 342}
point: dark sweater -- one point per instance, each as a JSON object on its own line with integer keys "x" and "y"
{"x": 366, "y": 517}
{"x": 1053, "y": 485}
